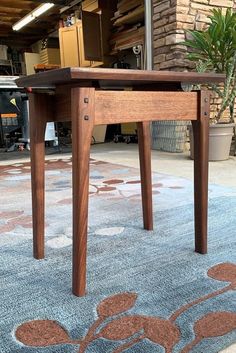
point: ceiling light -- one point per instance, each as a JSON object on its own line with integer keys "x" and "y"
{"x": 42, "y": 8}
{"x": 23, "y": 22}
{"x": 32, "y": 16}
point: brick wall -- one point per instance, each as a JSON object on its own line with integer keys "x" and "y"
{"x": 171, "y": 18}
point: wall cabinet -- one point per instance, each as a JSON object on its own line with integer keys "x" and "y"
{"x": 87, "y": 42}
{"x": 72, "y": 46}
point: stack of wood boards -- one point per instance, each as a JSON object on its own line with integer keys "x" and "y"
{"x": 44, "y": 67}
{"x": 96, "y": 5}
{"x": 128, "y": 24}
{"x": 90, "y": 5}
{"x": 50, "y": 56}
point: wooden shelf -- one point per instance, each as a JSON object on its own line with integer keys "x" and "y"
{"x": 127, "y": 39}
{"x": 125, "y": 6}
{"x": 128, "y": 25}
{"x": 131, "y": 18}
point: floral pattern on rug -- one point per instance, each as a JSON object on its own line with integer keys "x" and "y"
{"x": 114, "y": 324}
{"x": 130, "y": 318}
{"x": 107, "y": 182}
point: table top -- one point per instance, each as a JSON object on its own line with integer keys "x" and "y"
{"x": 99, "y": 76}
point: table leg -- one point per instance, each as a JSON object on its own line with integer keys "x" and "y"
{"x": 201, "y": 156}
{"x": 82, "y": 110}
{"x": 38, "y": 105}
{"x": 144, "y": 141}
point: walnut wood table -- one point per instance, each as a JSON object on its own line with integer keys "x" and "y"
{"x": 91, "y": 97}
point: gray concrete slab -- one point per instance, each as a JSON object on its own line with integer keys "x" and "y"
{"x": 178, "y": 164}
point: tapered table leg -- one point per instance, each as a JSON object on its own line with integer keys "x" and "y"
{"x": 82, "y": 111}
{"x": 39, "y": 111}
{"x": 201, "y": 156}
{"x": 144, "y": 141}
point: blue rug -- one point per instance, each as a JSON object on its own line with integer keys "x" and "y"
{"x": 147, "y": 292}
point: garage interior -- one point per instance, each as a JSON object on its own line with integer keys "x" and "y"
{"x": 36, "y": 36}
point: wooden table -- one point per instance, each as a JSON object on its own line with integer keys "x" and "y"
{"x": 91, "y": 97}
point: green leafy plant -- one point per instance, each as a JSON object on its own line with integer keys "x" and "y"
{"x": 215, "y": 50}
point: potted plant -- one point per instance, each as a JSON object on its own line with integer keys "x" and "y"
{"x": 215, "y": 49}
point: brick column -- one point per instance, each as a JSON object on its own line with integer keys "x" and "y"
{"x": 170, "y": 20}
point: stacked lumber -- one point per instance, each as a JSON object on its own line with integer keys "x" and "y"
{"x": 124, "y": 6}
{"x": 128, "y": 25}
{"x": 90, "y": 5}
{"x": 50, "y": 56}
{"x": 131, "y": 12}
{"x": 96, "y": 5}
{"x": 44, "y": 67}
{"x": 127, "y": 38}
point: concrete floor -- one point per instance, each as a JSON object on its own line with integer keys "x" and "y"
{"x": 177, "y": 164}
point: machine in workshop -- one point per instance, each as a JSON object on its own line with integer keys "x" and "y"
{"x": 13, "y": 113}
{"x": 14, "y": 117}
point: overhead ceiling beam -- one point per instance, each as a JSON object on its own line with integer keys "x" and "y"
{"x": 12, "y": 10}
{"x": 16, "y": 4}
{"x": 8, "y": 19}
{"x": 28, "y": 5}
{"x": 56, "y": 2}
{"x": 69, "y": 5}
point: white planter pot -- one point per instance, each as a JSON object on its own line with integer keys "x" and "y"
{"x": 220, "y": 138}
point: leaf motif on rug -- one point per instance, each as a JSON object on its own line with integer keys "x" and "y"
{"x": 162, "y": 332}
{"x": 212, "y": 325}
{"x": 114, "y": 324}
{"x": 224, "y": 272}
{"x": 116, "y": 304}
{"x": 123, "y": 328}
{"x": 42, "y": 333}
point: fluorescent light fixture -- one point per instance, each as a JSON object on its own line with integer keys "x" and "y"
{"x": 42, "y": 8}
{"x": 23, "y": 22}
{"x": 32, "y": 16}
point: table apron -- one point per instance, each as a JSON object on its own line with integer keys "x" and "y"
{"x": 112, "y": 107}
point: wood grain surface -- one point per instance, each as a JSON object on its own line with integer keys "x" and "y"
{"x": 201, "y": 153}
{"x": 40, "y": 111}
{"x": 115, "y": 76}
{"x": 113, "y": 107}
{"x": 144, "y": 143}
{"x": 82, "y": 105}
{"x": 88, "y": 106}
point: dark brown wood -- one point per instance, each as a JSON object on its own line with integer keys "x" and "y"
{"x": 112, "y": 107}
{"x": 82, "y": 108}
{"x": 63, "y": 103}
{"x": 201, "y": 153}
{"x": 40, "y": 112}
{"x": 92, "y": 37}
{"x": 117, "y": 77}
{"x": 63, "y": 100}
{"x": 144, "y": 142}
{"x": 90, "y": 106}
